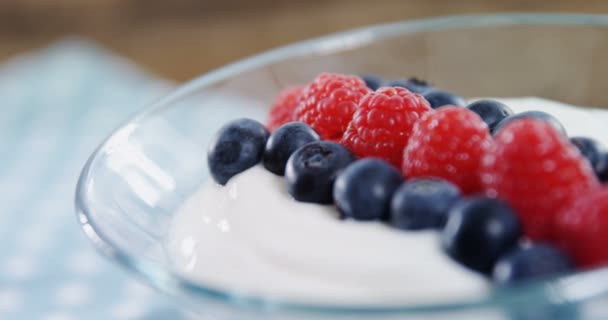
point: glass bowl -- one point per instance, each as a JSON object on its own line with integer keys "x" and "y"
{"x": 132, "y": 185}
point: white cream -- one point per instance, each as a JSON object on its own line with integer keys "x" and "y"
{"x": 251, "y": 237}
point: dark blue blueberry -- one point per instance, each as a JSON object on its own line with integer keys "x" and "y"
{"x": 283, "y": 142}
{"x": 412, "y": 84}
{"x": 491, "y": 111}
{"x": 440, "y": 98}
{"x": 364, "y": 189}
{"x": 423, "y": 204}
{"x": 533, "y": 262}
{"x": 590, "y": 149}
{"x": 311, "y": 171}
{"x": 236, "y": 147}
{"x": 373, "y": 82}
{"x": 602, "y": 169}
{"x": 479, "y": 231}
{"x": 531, "y": 114}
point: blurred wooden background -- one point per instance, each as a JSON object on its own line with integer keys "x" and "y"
{"x": 181, "y": 39}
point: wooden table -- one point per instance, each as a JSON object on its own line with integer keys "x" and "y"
{"x": 181, "y": 39}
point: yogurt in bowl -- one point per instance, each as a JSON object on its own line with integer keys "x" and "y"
{"x": 141, "y": 177}
{"x": 251, "y": 236}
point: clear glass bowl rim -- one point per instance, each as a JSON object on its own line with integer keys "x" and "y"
{"x": 164, "y": 280}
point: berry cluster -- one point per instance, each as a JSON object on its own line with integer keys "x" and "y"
{"x": 511, "y": 195}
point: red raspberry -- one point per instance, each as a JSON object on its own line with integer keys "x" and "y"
{"x": 537, "y": 171}
{"x": 383, "y": 123}
{"x": 448, "y": 143}
{"x": 328, "y": 103}
{"x": 283, "y": 108}
{"x": 582, "y": 229}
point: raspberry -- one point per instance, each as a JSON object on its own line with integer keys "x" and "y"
{"x": 283, "y": 108}
{"x": 582, "y": 229}
{"x": 536, "y": 170}
{"x": 383, "y": 123}
{"x": 448, "y": 143}
{"x": 328, "y": 103}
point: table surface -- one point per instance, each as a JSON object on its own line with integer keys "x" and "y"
{"x": 57, "y": 105}
{"x": 181, "y": 39}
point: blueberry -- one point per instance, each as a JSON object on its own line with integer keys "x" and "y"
{"x": 479, "y": 231}
{"x": 591, "y": 149}
{"x": 533, "y": 262}
{"x": 531, "y": 114}
{"x": 602, "y": 169}
{"x": 373, "y": 82}
{"x": 412, "y": 84}
{"x": 423, "y": 204}
{"x": 440, "y": 98}
{"x": 491, "y": 111}
{"x": 236, "y": 147}
{"x": 283, "y": 142}
{"x": 311, "y": 170}
{"x": 364, "y": 189}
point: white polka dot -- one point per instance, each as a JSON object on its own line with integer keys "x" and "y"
{"x": 58, "y": 316}
{"x": 84, "y": 263}
{"x": 72, "y": 294}
{"x": 127, "y": 311}
{"x": 10, "y": 301}
{"x": 19, "y": 267}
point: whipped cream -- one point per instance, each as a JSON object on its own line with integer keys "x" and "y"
{"x": 251, "y": 237}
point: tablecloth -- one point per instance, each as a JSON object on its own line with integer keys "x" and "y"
{"x": 56, "y": 105}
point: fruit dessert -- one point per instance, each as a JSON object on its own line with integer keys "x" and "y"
{"x": 362, "y": 190}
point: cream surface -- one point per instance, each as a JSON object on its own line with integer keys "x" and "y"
{"x": 251, "y": 237}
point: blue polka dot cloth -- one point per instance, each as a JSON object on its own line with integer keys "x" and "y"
{"x": 56, "y": 105}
